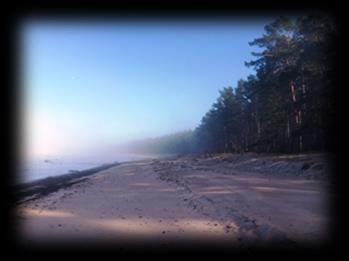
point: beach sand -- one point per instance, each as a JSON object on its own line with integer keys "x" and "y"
{"x": 178, "y": 200}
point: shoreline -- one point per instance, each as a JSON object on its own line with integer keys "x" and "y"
{"x": 38, "y": 188}
{"x": 35, "y": 189}
{"x": 196, "y": 197}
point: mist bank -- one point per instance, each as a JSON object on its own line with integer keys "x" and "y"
{"x": 59, "y": 164}
{"x": 288, "y": 106}
{"x": 183, "y": 142}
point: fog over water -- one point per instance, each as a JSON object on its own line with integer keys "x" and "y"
{"x": 53, "y": 165}
{"x": 87, "y": 87}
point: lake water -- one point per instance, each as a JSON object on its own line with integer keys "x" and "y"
{"x": 57, "y": 165}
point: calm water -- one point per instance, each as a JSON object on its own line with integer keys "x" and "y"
{"x": 57, "y": 165}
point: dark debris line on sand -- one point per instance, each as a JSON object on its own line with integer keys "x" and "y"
{"x": 36, "y": 189}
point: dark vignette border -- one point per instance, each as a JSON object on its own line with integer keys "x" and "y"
{"x": 158, "y": 12}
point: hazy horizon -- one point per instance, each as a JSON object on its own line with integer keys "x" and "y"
{"x": 99, "y": 85}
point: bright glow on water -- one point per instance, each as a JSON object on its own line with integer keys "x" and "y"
{"x": 42, "y": 167}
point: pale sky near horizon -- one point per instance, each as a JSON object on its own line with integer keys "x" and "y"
{"x": 87, "y": 84}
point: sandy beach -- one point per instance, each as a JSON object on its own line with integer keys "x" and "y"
{"x": 180, "y": 200}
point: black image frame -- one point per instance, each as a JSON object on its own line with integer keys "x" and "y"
{"x": 156, "y": 11}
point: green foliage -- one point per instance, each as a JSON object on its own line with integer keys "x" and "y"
{"x": 286, "y": 107}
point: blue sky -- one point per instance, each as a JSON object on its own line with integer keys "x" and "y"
{"x": 111, "y": 82}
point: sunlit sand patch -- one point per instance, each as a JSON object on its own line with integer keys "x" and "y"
{"x": 218, "y": 192}
{"x": 200, "y": 226}
{"x": 142, "y": 184}
{"x": 302, "y": 181}
{"x": 291, "y": 156}
{"x": 271, "y": 189}
{"x": 45, "y": 213}
{"x": 249, "y": 179}
{"x": 168, "y": 190}
{"x": 195, "y": 176}
{"x": 212, "y": 188}
{"x": 192, "y": 227}
{"x": 128, "y": 226}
